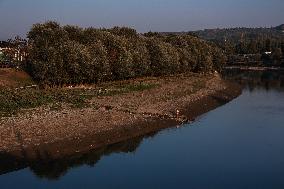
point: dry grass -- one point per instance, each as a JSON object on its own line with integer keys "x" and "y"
{"x": 11, "y": 78}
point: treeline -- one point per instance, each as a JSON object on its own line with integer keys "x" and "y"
{"x": 59, "y": 55}
{"x": 247, "y": 40}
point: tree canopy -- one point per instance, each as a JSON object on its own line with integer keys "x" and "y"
{"x": 59, "y": 55}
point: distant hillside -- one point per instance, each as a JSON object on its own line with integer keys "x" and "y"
{"x": 281, "y": 27}
{"x": 264, "y": 45}
{"x": 237, "y": 33}
{"x": 245, "y": 40}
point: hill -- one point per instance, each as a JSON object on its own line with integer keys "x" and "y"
{"x": 245, "y": 40}
{"x": 280, "y": 27}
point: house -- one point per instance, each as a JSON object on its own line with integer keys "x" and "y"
{"x": 2, "y": 50}
{"x": 14, "y": 53}
{"x": 1, "y": 54}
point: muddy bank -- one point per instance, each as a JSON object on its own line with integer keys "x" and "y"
{"x": 48, "y": 135}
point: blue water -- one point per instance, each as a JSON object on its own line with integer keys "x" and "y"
{"x": 237, "y": 146}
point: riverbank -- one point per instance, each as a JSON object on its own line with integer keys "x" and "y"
{"x": 44, "y": 133}
{"x": 256, "y": 68}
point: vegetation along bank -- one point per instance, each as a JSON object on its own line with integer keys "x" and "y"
{"x": 108, "y": 84}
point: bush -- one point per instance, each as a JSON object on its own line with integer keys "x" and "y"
{"x": 164, "y": 57}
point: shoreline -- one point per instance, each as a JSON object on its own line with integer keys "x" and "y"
{"x": 255, "y": 68}
{"x": 57, "y": 135}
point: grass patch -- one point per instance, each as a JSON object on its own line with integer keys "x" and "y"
{"x": 12, "y": 101}
{"x": 127, "y": 88}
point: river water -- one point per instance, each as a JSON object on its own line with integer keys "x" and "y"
{"x": 239, "y": 145}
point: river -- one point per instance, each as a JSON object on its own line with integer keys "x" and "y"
{"x": 239, "y": 145}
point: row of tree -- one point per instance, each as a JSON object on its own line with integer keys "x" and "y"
{"x": 71, "y": 55}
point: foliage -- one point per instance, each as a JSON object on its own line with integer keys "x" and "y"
{"x": 72, "y": 55}
{"x": 195, "y": 54}
{"x": 163, "y": 56}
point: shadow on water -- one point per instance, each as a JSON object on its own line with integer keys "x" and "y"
{"x": 52, "y": 169}
{"x": 253, "y": 80}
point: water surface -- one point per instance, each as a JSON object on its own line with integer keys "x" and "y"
{"x": 239, "y": 145}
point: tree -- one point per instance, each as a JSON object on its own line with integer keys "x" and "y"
{"x": 164, "y": 57}
{"x": 277, "y": 55}
{"x": 74, "y": 33}
{"x": 124, "y": 32}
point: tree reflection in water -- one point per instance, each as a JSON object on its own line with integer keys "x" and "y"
{"x": 254, "y": 80}
{"x": 55, "y": 169}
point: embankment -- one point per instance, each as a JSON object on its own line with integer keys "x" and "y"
{"x": 41, "y": 134}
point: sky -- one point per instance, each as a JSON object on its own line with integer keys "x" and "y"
{"x": 17, "y": 16}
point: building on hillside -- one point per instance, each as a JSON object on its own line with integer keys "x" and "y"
{"x": 268, "y": 52}
{"x": 2, "y": 50}
{"x": 14, "y": 53}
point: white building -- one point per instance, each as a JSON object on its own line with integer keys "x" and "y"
{"x": 1, "y": 51}
{"x": 18, "y": 56}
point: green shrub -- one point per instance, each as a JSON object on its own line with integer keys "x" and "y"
{"x": 164, "y": 57}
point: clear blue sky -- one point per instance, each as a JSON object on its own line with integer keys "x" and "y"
{"x": 17, "y": 16}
